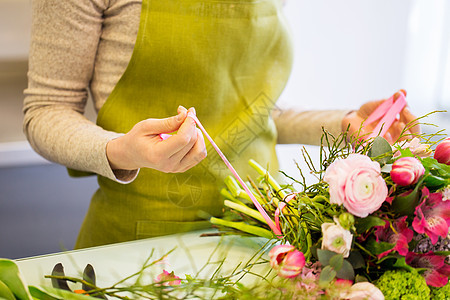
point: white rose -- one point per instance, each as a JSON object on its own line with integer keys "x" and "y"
{"x": 363, "y": 291}
{"x": 336, "y": 239}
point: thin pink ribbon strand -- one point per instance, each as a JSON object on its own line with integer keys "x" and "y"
{"x": 276, "y": 229}
{"x": 388, "y": 112}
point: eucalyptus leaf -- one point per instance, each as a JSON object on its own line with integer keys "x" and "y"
{"x": 336, "y": 261}
{"x": 378, "y": 247}
{"x": 9, "y": 274}
{"x": 356, "y": 260}
{"x": 364, "y": 224}
{"x": 346, "y": 271}
{"x": 327, "y": 275}
{"x": 381, "y": 150}
{"x": 325, "y": 256}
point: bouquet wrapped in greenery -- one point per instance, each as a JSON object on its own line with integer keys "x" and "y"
{"x": 376, "y": 222}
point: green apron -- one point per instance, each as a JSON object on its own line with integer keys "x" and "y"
{"x": 228, "y": 59}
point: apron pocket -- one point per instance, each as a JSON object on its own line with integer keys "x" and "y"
{"x": 147, "y": 229}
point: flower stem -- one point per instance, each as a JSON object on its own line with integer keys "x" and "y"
{"x": 245, "y": 210}
{"x": 255, "y": 230}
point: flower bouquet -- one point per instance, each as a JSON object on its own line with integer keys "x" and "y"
{"x": 375, "y": 225}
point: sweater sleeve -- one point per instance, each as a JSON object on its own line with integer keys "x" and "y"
{"x": 295, "y": 126}
{"x": 64, "y": 42}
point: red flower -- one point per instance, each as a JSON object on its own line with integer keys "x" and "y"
{"x": 432, "y": 216}
{"x": 437, "y": 271}
{"x": 400, "y": 238}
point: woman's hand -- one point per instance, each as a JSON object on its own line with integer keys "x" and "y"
{"x": 142, "y": 146}
{"x": 355, "y": 119}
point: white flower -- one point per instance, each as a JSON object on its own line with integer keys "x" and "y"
{"x": 417, "y": 148}
{"x": 363, "y": 291}
{"x": 336, "y": 239}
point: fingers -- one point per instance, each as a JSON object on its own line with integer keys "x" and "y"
{"x": 408, "y": 118}
{"x": 167, "y": 125}
{"x": 195, "y": 155}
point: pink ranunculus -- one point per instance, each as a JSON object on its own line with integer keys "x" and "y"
{"x": 432, "y": 216}
{"x": 442, "y": 152}
{"x": 336, "y": 239}
{"x": 286, "y": 260}
{"x": 363, "y": 291}
{"x": 356, "y": 183}
{"x": 168, "y": 279}
{"x": 406, "y": 171}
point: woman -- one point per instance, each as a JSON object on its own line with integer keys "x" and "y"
{"x": 140, "y": 61}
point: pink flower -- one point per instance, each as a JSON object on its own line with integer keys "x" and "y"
{"x": 286, "y": 260}
{"x": 432, "y": 215}
{"x": 446, "y": 193}
{"x": 363, "y": 291}
{"x": 168, "y": 279}
{"x": 406, "y": 171}
{"x": 417, "y": 148}
{"x": 437, "y": 272}
{"x": 442, "y": 152}
{"x": 400, "y": 238}
{"x": 309, "y": 276}
{"x": 356, "y": 183}
{"x": 336, "y": 239}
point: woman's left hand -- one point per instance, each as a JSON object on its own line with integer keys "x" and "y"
{"x": 355, "y": 118}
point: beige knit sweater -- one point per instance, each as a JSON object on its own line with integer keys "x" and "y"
{"x": 81, "y": 46}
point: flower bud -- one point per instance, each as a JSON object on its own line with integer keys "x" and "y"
{"x": 286, "y": 260}
{"x": 406, "y": 171}
{"x": 346, "y": 220}
{"x": 442, "y": 152}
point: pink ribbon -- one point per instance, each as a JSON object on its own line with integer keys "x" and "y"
{"x": 275, "y": 227}
{"x": 387, "y": 111}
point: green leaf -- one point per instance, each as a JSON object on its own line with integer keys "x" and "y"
{"x": 9, "y": 274}
{"x": 325, "y": 256}
{"x": 356, "y": 260}
{"x": 346, "y": 272}
{"x": 336, "y": 261}
{"x": 360, "y": 278}
{"x": 381, "y": 150}
{"x": 443, "y": 253}
{"x": 435, "y": 181}
{"x": 405, "y": 205}
{"x": 364, "y": 224}
{"x": 5, "y": 292}
{"x": 50, "y": 293}
{"x": 401, "y": 263}
{"x": 377, "y": 248}
{"x": 327, "y": 275}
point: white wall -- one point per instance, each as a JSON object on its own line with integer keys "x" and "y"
{"x": 352, "y": 51}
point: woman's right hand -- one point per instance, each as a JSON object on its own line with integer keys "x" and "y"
{"x": 142, "y": 146}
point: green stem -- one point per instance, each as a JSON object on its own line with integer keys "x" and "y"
{"x": 255, "y": 230}
{"x": 245, "y": 210}
{"x": 273, "y": 183}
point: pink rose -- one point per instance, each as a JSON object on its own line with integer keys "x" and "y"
{"x": 356, "y": 183}
{"x": 442, "y": 152}
{"x": 286, "y": 260}
{"x": 406, "y": 171}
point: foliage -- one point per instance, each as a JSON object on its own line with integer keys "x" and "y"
{"x": 402, "y": 284}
